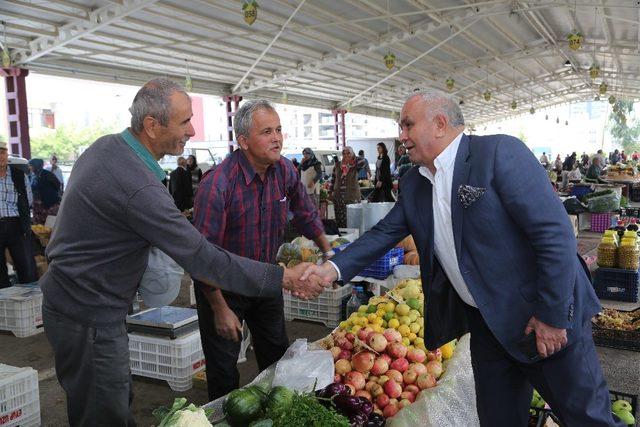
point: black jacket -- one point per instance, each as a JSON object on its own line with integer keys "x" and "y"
{"x": 180, "y": 188}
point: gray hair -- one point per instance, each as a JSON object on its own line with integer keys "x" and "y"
{"x": 243, "y": 119}
{"x": 153, "y": 100}
{"x": 441, "y": 103}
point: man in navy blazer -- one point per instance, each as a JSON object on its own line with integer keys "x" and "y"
{"x": 498, "y": 258}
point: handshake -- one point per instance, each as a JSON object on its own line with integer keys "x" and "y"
{"x": 307, "y": 280}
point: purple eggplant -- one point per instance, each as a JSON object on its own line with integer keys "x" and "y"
{"x": 347, "y": 405}
{"x": 366, "y": 407}
{"x": 333, "y": 389}
{"x": 358, "y": 420}
{"x": 375, "y": 420}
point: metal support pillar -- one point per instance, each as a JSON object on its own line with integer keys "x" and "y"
{"x": 17, "y": 114}
{"x": 339, "y": 128}
{"x": 233, "y": 101}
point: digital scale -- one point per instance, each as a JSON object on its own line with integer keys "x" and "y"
{"x": 164, "y": 321}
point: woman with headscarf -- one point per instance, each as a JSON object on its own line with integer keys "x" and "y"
{"x": 196, "y": 175}
{"x": 345, "y": 185}
{"x": 310, "y": 174}
{"x": 46, "y": 191}
{"x": 383, "y": 183}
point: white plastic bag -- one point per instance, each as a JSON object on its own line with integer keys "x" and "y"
{"x": 160, "y": 283}
{"x": 299, "y": 369}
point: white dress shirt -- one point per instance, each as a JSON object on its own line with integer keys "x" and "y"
{"x": 445, "y": 248}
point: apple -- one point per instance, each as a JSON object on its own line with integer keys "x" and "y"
{"x": 337, "y": 378}
{"x": 369, "y": 384}
{"x": 342, "y": 366}
{"x": 386, "y": 357}
{"x": 418, "y": 368}
{"x": 339, "y": 334}
{"x": 380, "y": 366}
{"x": 412, "y": 388}
{"x": 376, "y": 390}
{"x": 373, "y": 378}
{"x": 350, "y": 337}
{"x": 345, "y": 354}
{"x": 346, "y": 345}
{"x": 390, "y": 410}
{"x": 364, "y": 393}
{"x": 363, "y": 334}
{"x": 392, "y": 389}
{"x": 352, "y": 389}
{"x": 377, "y": 341}
{"x": 377, "y": 410}
{"x": 383, "y": 379}
{"x": 416, "y": 355}
{"x": 335, "y": 352}
{"x": 435, "y": 355}
{"x": 426, "y": 381}
{"x": 403, "y": 403}
{"x": 396, "y": 350}
{"x": 409, "y": 377}
{"x": 394, "y": 375}
{"x": 408, "y": 395}
{"x": 400, "y": 364}
{"x": 356, "y": 379}
{"x": 382, "y": 400}
{"x": 435, "y": 368}
{"x": 363, "y": 361}
{"x": 392, "y": 335}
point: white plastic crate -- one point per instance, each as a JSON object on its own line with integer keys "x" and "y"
{"x": 21, "y": 310}
{"x": 19, "y": 397}
{"x": 327, "y": 308}
{"x": 173, "y": 360}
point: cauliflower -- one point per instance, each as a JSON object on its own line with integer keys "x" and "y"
{"x": 180, "y": 415}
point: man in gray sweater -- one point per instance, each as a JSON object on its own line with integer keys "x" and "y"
{"x": 114, "y": 208}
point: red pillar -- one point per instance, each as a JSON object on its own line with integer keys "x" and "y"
{"x": 339, "y": 128}
{"x": 16, "y": 94}
{"x": 233, "y": 102}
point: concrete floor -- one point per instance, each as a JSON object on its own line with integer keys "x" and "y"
{"x": 622, "y": 370}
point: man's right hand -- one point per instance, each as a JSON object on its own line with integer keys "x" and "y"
{"x": 325, "y": 272}
{"x": 309, "y": 288}
{"x": 227, "y": 324}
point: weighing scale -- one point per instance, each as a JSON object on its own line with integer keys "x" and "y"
{"x": 164, "y": 321}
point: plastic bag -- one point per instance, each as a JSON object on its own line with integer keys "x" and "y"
{"x": 160, "y": 283}
{"x": 451, "y": 403}
{"x": 404, "y": 271}
{"x": 299, "y": 369}
{"x": 603, "y": 204}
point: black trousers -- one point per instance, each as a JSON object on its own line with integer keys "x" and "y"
{"x": 570, "y": 381}
{"x": 92, "y": 366}
{"x": 19, "y": 245}
{"x": 265, "y": 319}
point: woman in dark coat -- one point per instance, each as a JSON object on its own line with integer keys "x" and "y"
{"x": 46, "y": 192}
{"x": 345, "y": 185}
{"x": 196, "y": 176}
{"x": 383, "y": 183}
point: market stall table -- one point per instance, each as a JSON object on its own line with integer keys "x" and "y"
{"x": 626, "y": 180}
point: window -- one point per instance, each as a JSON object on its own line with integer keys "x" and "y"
{"x": 306, "y": 118}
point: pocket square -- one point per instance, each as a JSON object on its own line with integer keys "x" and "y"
{"x": 468, "y": 194}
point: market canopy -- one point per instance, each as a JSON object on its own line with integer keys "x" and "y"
{"x": 500, "y": 57}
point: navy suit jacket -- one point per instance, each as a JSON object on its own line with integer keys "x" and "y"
{"x": 515, "y": 246}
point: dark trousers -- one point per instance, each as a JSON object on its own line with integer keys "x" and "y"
{"x": 570, "y": 381}
{"x": 265, "y": 319}
{"x": 13, "y": 238}
{"x": 92, "y": 366}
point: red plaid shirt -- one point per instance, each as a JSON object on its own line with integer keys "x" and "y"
{"x": 238, "y": 211}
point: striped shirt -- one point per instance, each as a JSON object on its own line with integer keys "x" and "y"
{"x": 9, "y": 195}
{"x": 235, "y": 209}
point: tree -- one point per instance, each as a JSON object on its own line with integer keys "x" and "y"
{"x": 66, "y": 139}
{"x": 621, "y": 131}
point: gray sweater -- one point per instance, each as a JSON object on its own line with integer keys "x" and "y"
{"x": 112, "y": 211}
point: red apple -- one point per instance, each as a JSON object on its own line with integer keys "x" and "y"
{"x": 394, "y": 375}
{"x": 412, "y": 388}
{"x": 418, "y": 368}
{"x": 403, "y": 403}
{"x": 416, "y": 355}
{"x": 392, "y": 388}
{"x": 346, "y": 345}
{"x": 342, "y": 366}
{"x": 356, "y": 378}
{"x": 400, "y": 364}
{"x": 386, "y": 357}
{"x": 435, "y": 355}
{"x": 380, "y": 366}
{"x": 392, "y": 335}
{"x": 408, "y": 395}
{"x": 382, "y": 400}
{"x": 377, "y": 342}
{"x": 363, "y": 361}
{"x": 393, "y": 401}
{"x": 376, "y": 390}
{"x": 369, "y": 384}
{"x": 435, "y": 368}
{"x": 409, "y": 377}
{"x": 363, "y": 334}
{"x": 426, "y": 381}
{"x": 364, "y": 393}
{"x": 396, "y": 350}
{"x": 390, "y": 410}
{"x": 345, "y": 354}
{"x": 373, "y": 378}
{"x": 350, "y": 337}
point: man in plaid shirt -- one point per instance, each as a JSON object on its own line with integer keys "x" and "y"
{"x": 243, "y": 207}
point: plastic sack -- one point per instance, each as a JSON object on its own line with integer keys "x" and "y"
{"x": 404, "y": 271}
{"x": 451, "y": 403}
{"x": 299, "y": 369}
{"x": 160, "y": 283}
{"x": 603, "y": 204}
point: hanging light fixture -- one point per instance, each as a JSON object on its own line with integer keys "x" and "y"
{"x": 188, "y": 84}
{"x": 575, "y": 38}
{"x": 450, "y": 83}
{"x": 6, "y": 57}
{"x": 594, "y": 70}
{"x": 612, "y": 99}
{"x": 514, "y": 105}
{"x": 602, "y": 89}
{"x": 250, "y": 11}
{"x": 487, "y": 95}
{"x": 532, "y": 110}
{"x": 389, "y": 60}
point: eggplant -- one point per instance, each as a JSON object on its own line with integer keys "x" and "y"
{"x": 366, "y": 407}
{"x": 358, "y": 420}
{"x": 375, "y": 420}
{"x": 334, "y": 389}
{"x": 347, "y": 405}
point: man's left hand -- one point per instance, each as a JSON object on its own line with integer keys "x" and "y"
{"x": 549, "y": 340}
